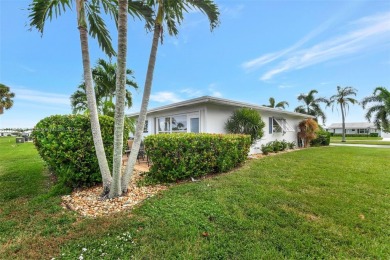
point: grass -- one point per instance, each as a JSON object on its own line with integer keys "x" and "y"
{"x": 330, "y": 202}
{"x": 360, "y": 140}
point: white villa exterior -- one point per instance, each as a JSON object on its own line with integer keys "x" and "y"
{"x": 354, "y": 128}
{"x": 209, "y": 114}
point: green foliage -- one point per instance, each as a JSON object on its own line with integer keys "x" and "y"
{"x": 246, "y": 121}
{"x": 276, "y": 146}
{"x": 322, "y": 139}
{"x": 355, "y": 135}
{"x": 65, "y": 143}
{"x": 266, "y": 149}
{"x": 180, "y": 156}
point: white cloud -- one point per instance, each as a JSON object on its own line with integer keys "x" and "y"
{"x": 41, "y": 97}
{"x": 192, "y": 92}
{"x": 233, "y": 11}
{"x": 269, "y": 57}
{"x": 164, "y": 96}
{"x": 213, "y": 91}
{"x": 368, "y": 33}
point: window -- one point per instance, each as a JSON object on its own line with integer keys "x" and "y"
{"x": 363, "y": 131}
{"x": 279, "y": 125}
{"x": 194, "y": 123}
{"x": 146, "y": 126}
{"x": 172, "y": 124}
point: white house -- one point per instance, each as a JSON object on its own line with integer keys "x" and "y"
{"x": 354, "y": 128}
{"x": 209, "y": 114}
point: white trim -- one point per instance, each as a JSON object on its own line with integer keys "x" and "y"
{"x": 284, "y": 125}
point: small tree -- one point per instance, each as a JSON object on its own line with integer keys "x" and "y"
{"x": 6, "y": 98}
{"x": 308, "y": 131}
{"x": 246, "y": 121}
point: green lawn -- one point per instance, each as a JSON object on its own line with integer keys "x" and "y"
{"x": 360, "y": 140}
{"x": 330, "y": 202}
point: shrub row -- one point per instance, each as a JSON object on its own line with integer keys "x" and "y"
{"x": 180, "y": 156}
{"x": 65, "y": 143}
{"x": 322, "y": 139}
{"x": 277, "y": 146}
{"x": 356, "y": 135}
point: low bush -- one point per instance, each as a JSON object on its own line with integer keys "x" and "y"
{"x": 277, "y": 146}
{"x": 322, "y": 139}
{"x": 180, "y": 156}
{"x": 266, "y": 149}
{"x": 356, "y": 135}
{"x": 65, "y": 143}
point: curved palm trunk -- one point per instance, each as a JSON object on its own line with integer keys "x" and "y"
{"x": 91, "y": 99}
{"x": 343, "y": 122}
{"x": 144, "y": 107}
{"x": 116, "y": 189}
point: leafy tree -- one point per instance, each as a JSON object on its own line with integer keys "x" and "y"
{"x": 343, "y": 99}
{"x": 88, "y": 13}
{"x": 308, "y": 129}
{"x": 246, "y": 121}
{"x": 381, "y": 108}
{"x": 169, "y": 13}
{"x": 6, "y": 98}
{"x": 104, "y": 77}
{"x": 311, "y": 105}
{"x": 273, "y": 104}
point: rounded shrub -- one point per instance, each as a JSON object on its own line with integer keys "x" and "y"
{"x": 322, "y": 139}
{"x": 246, "y": 121}
{"x": 65, "y": 143}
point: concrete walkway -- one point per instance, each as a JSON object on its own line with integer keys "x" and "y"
{"x": 362, "y": 145}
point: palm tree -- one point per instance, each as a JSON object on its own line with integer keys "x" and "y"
{"x": 5, "y": 98}
{"x": 42, "y": 10}
{"x": 272, "y": 104}
{"x": 381, "y": 108}
{"x": 342, "y": 98}
{"x": 311, "y": 105}
{"x": 170, "y": 12}
{"x": 104, "y": 77}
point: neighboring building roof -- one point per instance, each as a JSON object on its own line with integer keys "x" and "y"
{"x": 360, "y": 125}
{"x": 222, "y": 101}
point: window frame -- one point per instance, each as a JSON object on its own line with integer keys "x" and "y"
{"x": 279, "y": 125}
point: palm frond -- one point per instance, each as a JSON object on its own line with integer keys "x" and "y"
{"x": 142, "y": 11}
{"x": 41, "y": 10}
{"x": 98, "y": 29}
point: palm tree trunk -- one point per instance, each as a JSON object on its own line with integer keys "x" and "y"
{"x": 144, "y": 106}
{"x": 116, "y": 187}
{"x": 343, "y": 122}
{"x": 91, "y": 99}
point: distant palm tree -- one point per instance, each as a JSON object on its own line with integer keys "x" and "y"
{"x": 342, "y": 98}
{"x": 381, "y": 108}
{"x": 311, "y": 105}
{"x": 5, "y": 98}
{"x": 272, "y": 104}
{"x": 104, "y": 77}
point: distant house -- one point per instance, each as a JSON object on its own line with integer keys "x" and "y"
{"x": 354, "y": 128}
{"x": 209, "y": 114}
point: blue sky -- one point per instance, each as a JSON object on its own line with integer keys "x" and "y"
{"x": 261, "y": 49}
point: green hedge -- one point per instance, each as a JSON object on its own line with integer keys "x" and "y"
{"x": 323, "y": 139}
{"x": 65, "y": 143}
{"x": 180, "y": 156}
{"x": 356, "y": 135}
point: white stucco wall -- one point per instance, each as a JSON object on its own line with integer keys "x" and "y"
{"x": 217, "y": 116}
{"x": 214, "y": 116}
